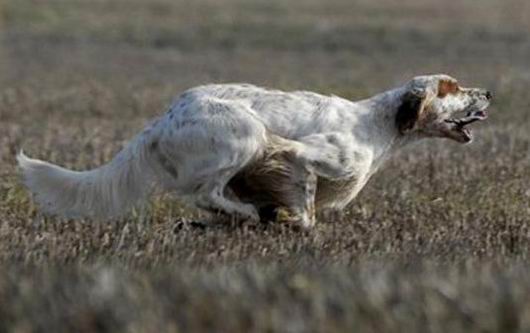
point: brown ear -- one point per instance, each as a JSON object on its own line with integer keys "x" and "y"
{"x": 409, "y": 111}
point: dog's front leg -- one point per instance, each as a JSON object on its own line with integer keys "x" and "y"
{"x": 329, "y": 155}
{"x": 299, "y": 201}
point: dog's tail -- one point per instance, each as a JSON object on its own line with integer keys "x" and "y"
{"x": 104, "y": 192}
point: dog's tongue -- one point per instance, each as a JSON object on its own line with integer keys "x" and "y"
{"x": 478, "y": 114}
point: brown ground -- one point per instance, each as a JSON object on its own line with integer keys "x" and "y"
{"x": 438, "y": 241}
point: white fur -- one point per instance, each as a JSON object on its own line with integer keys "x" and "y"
{"x": 213, "y": 132}
{"x": 105, "y": 192}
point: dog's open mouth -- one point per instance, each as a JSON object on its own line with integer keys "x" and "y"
{"x": 459, "y": 124}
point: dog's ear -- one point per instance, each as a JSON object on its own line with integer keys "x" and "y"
{"x": 412, "y": 104}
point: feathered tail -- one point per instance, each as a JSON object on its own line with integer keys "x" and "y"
{"x": 104, "y": 192}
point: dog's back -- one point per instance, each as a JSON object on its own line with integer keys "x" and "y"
{"x": 288, "y": 114}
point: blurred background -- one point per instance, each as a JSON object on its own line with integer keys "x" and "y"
{"x": 352, "y": 47}
{"x": 438, "y": 240}
{"x": 95, "y": 62}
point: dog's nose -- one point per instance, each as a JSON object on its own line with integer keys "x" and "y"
{"x": 489, "y": 95}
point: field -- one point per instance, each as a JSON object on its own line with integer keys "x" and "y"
{"x": 438, "y": 241}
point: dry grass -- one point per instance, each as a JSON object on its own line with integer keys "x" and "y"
{"x": 437, "y": 242}
{"x": 384, "y": 298}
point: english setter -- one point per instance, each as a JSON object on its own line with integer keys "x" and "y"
{"x": 238, "y": 149}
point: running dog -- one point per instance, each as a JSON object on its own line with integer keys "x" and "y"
{"x": 238, "y": 149}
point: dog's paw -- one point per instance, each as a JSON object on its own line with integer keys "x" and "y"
{"x": 250, "y": 213}
{"x": 296, "y": 220}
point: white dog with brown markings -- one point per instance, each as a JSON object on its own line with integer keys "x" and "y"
{"x": 238, "y": 150}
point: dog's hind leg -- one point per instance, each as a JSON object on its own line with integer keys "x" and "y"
{"x": 213, "y": 200}
{"x": 281, "y": 180}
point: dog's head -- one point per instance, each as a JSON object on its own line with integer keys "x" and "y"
{"x": 437, "y": 106}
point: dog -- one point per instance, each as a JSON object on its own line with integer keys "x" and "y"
{"x": 238, "y": 150}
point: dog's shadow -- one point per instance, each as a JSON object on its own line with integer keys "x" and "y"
{"x": 267, "y": 223}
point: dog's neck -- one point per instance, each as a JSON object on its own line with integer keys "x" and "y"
{"x": 380, "y": 113}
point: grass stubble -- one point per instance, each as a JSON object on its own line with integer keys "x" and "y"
{"x": 438, "y": 241}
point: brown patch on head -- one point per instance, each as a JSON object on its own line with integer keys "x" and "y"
{"x": 446, "y": 87}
